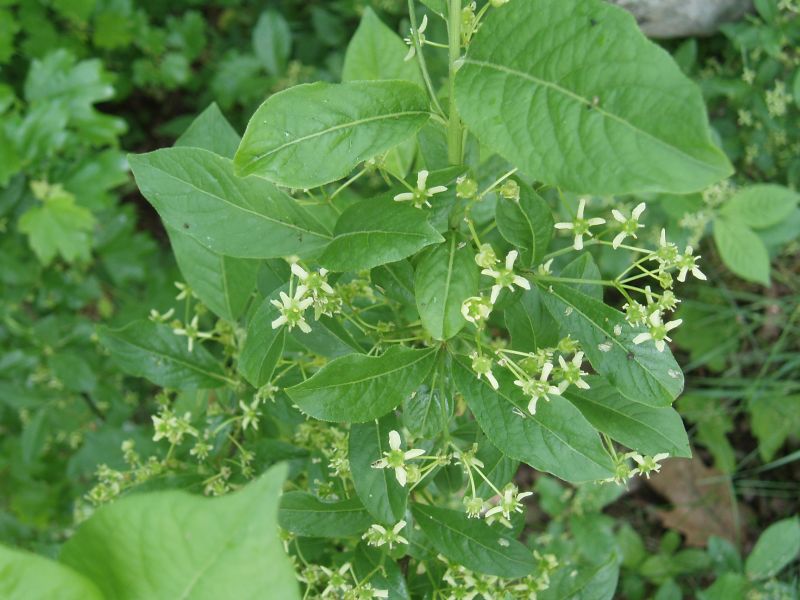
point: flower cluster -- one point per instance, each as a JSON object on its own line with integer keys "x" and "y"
{"x": 396, "y": 458}
{"x": 377, "y": 535}
{"x": 337, "y": 583}
{"x": 645, "y": 465}
{"x": 313, "y": 290}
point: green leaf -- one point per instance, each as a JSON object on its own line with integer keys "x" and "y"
{"x": 153, "y": 351}
{"x": 59, "y": 226}
{"x": 377, "y": 52}
{"x": 472, "y": 543}
{"x": 222, "y": 283}
{"x": 196, "y": 192}
{"x": 639, "y": 371}
{"x": 272, "y": 42}
{"x": 24, "y": 576}
{"x": 530, "y": 325}
{"x": 761, "y": 206}
{"x": 557, "y": 439}
{"x": 498, "y": 468}
{"x": 772, "y": 420}
{"x": 263, "y": 345}
{"x": 612, "y": 115}
{"x": 526, "y": 225}
{"x": 742, "y": 250}
{"x": 378, "y": 489}
{"x": 382, "y": 572}
{"x": 329, "y": 338}
{"x": 642, "y": 428}
{"x": 427, "y": 412}
{"x": 358, "y": 388}
{"x": 444, "y": 278}
{"x": 376, "y": 232}
{"x": 305, "y": 514}
{"x": 776, "y": 547}
{"x": 729, "y": 586}
{"x": 312, "y": 134}
{"x": 168, "y": 545}
{"x": 211, "y": 131}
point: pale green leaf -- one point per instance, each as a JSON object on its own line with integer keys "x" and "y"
{"x": 376, "y": 232}
{"x": 776, "y": 547}
{"x": 472, "y": 543}
{"x": 377, "y": 52}
{"x": 379, "y": 490}
{"x": 358, "y": 388}
{"x": 169, "y": 545}
{"x": 312, "y": 134}
{"x": 25, "y": 576}
{"x": 196, "y": 192}
{"x": 773, "y": 418}
{"x": 557, "y": 439}
{"x": 211, "y": 131}
{"x": 742, "y": 250}
{"x": 306, "y": 515}
{"x": 445, "y": 277}
{"x": 761, "y": 206}
{"x": 272, "y": 42}
{"x": 59, "y": 227}
{"x": 153, "y": 351}
{"x": 579, "y": 98}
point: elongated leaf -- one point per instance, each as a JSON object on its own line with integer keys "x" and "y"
{"x": 358, "y": 388}
{"x": 639, "y": 371}
{"x": 527, "y": 224}
{"x": 222, "y": 283}
{"x": 742, "y": 250}
{"x": 328, "y": 338}
{"x": 312, "y": 134}
{"x": 427, "y": 412}
{"x": 168, "y": 545}
{"x": 196, "y": 192}
{"x": 445, "y": 277}
{"x": 531, "y": 326}
{"x": 606, "y": 113}
{"x": 272, "y": 42}
{"x": 761, "y": 206}
{"x": 557, "y": 439}
{"x": 305, "y": 514}
{"x": 376, "y": 232}
{"x": 378, "y": 489}
{"x": 263, "y": 345}
{"x": 211, "y": 131}
{"x": 642, "y": 428}
{"x": 24, "y": 576}
{"x": 377, "y": 52}
{"x": 777, "y": 547}
{"x": 472, "y": 543}
{"x": 153, "y": 351}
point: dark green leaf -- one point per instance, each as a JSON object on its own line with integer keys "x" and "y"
{"x": 306, "y": 515}
{"x": 263, "y": 345}
{"x": 530, "y": 325}
{"x": 526, "y": 224}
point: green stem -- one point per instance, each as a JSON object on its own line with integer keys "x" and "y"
{"x": 454, "y": 133}
{"x": 423, "y": 67}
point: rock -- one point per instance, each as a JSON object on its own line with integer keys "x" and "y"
{"x": 681, "y": 18}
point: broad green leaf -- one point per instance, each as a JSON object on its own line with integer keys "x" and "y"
{"x": 168, "y": 545}
{"x": 472, "y": 543}
{"x": 557, "y": 439}
{"x": 427, "y": 412}
{"x": 376, "y": 232}
{"x": 772, "y": 420}
{"x": 329, "y": 338}
{"x": 377, "y": 52}
{"x": 24, "y": 576}
{"x": 222, "y": 283}
{"x": 396, "y": 280}
{"x": 729, "y": 586}
{"x": 263, "y": 345}
{"x": 613, "y": 114}
{"x": 639, "y": 371}
{"x": 211, "y": 131}
{"x": 305, "y": 514}
{"x": 761, "y": 206}
{"x": 640, "y": 427}
{"x": 444, "y": 278}
{"x": 59, "y": 226}
{"x": 358, "y": 388}
{"x": 584, "y": 581}
{"x": 776, "y": 547}
{"x": 530, "y": 325}
{"x": 378, "y": 489}
{"x": 153, "y": 351}
{"x": 526, "y": 224}
{"x": 272, "y": 42}
{"x": 742, "y": 250}
{"x": 584, "y": 268}
{"x": 196, "y": 192}
{"x": 312, "y": 134}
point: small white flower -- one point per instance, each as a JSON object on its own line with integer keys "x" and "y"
{"x": 667, "y": 252}
{"x": 544, "y": 269}
{"x": 421, "y": 194}
{"x": 377, "y": 535}
{"x": 647, "y": 464}
{"x": 250, "y": 414}
{"x": 571, "y": 373}
{"x": 580, "y": 226}
{"x": 510, "y": 502}
{"x": 628, "y": 225}
{"x": 505, "y": 277}
{"x": 657, "y": 331}
{"x": 396, "y": 458}
{"x": 482, "y": 365}
{"x": 537, "y": 389}
{"x": 158, "y": 317}
{"x": 412, "y": 51}
{"x": 314, "y": 282}
{"x": 292, "y": 309}
{"x": 476, "y": 309}
{"x": 192, "y": 332}
{"x": 686, "y": 263}
{"x": 486, "y": 258}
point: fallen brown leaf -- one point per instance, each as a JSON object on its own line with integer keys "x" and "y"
{"x": 702, "y": 504}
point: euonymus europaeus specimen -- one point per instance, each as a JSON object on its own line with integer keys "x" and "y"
{"x": 393, "y": 283}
